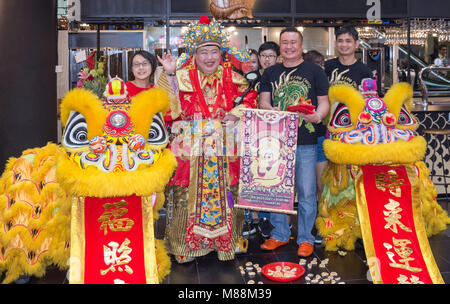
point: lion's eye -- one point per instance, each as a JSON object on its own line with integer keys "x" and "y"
{"x": 75, "y": 133}
{"x": 405, "y": 118}
{"x": 157, "y": 134}
{"x": 341, "y": 117}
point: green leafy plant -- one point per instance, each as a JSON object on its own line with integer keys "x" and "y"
{"x": 93, "y": 76}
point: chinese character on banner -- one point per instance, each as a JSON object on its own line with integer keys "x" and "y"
{"x": 393, "y": 216}
{"x": 402, "y": 279}
{"x": 111, "y": 217}
{"x": 391, "y": 182}
{"x": 117, "y": 257}
{"x": 401, "y": 248}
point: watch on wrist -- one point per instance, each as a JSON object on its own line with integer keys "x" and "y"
{"x": 170, "y": 74}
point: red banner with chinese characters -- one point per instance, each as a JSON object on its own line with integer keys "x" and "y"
{"x": 395, "y": 241}
{"x": 114, "y": 247}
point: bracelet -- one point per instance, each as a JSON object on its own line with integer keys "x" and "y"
{"x": 170, "y": 74}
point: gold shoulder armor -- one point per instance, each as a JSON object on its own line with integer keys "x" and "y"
{"x": 184, "y": 83}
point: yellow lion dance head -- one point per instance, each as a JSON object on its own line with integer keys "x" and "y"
{"x": 373, "y": 130}
{"x": 112, "y": 148}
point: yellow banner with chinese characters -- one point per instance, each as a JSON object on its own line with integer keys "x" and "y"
{"x": 394, "y": 236}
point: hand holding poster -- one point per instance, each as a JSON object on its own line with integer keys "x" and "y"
{"x": 268, "y": 149}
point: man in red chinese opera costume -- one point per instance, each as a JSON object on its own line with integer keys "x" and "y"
{"x": 91, "y": 203}
{"x": 200, "y": 213}
{"x": 377, "y": 186}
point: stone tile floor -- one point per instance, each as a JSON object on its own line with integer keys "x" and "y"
{"x": 351, "y": 268}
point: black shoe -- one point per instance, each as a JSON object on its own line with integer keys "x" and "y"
{"x": 249, "y": 229}
{"x": 318, "y": 239}
{"x": 265, "y": 227}
{"x": 23, "y": 279}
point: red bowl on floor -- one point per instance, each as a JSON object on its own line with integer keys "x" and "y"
{"x": 269, "y": 270}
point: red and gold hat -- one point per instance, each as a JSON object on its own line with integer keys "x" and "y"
{"x": 205, "y": 32}
{"x": 209, "y": 32}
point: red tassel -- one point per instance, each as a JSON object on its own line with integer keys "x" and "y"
{"x": 204, "y": 20}
{"x": 91, "y": 61}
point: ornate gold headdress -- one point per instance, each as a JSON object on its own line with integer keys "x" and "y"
{"x": 207, "y": 32}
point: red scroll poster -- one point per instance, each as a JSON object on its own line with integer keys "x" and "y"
{"x": 268, "y": 149}
{"x": 113, "y": 241}
{"x": 392, "y": 227}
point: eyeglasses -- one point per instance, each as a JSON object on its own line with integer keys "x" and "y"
{"x": 268, "y": 56}
{"x": 141, "y": 64}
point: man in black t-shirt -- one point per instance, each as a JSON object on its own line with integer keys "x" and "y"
{"x": 346, "y": 68}
{"x": 283, "y": 85}
{"x": 287, "y": 85}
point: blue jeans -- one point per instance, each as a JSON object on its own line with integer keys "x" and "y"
{"x": 263, "y": 214}
{"x": 320, "y": 154}
{"x": 305, "y": 181}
